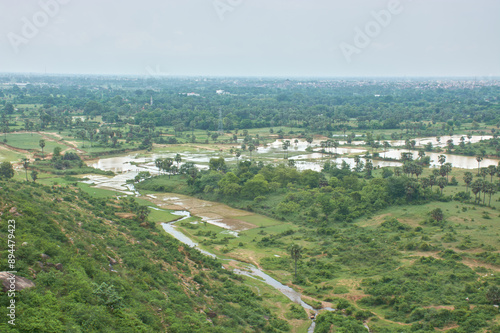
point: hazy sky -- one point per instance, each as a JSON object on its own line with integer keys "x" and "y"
{"x": 252, "y": 37}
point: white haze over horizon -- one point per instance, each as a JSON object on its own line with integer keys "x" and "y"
{"x": 283, "y": 38}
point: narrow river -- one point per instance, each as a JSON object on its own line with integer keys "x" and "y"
{"x": 249, "y": 271}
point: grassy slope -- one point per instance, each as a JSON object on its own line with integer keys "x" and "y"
{"x": 159, "y": 285}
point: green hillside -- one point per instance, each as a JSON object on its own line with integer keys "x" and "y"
{"x": 156, "y": 284}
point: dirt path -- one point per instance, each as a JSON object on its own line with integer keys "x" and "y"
{"x": 476, "y": 263}
{"x": 69, "y": 144}
{"x": 54, "y": 134}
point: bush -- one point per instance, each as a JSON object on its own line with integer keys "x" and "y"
{"x": 296, "y": 312}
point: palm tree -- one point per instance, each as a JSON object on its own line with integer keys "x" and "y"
{"x": 418, "y": 169}
{"x": 485, "y": 190}
{"x": 238, "y": 154}
{"x": 41, "y": 143}
{"x": 479, "y": 158}
{"x": 421, "y": 153}
{"x": 251, "y": 148}
{"x": 468, "y": 180}
{"x": 286, "y": 144}
{"x": 492, "y": 170}
{"x": 296, "y": 254}
{"x": 142, "y": 213}
{"x": 158, "y": 164}
{"x": 357, "y": 160}
{"x": 432, "y": 181}
{"x": 490, "y": 189}
{"x": 483, "y": 172}
{"x": 178, "y": 159}
{"x": 26, "y": 163}
{"x": 167, "y": 165}
{"x": 442, "y": 182}
{"x": 476, "y": 188}
{"x": 441, "y": 159}
{"x": 335, "y": 145}
{"x": 386, "y": 146}
{"x": 448, "y": 168}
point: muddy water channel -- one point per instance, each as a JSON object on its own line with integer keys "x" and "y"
{"x": 225, "y": 217}
{"x": 248, "y": 270}
{"x": 210, "y": 212}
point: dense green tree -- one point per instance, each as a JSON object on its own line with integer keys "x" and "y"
{"x": 229, "y": 185}
{"x": 255, "y": 187}
{"x": 437, "y": 214}
{"x": 9, "y": 108}
{"x": 217, "y": 164}
{"x": 166, "y": 165}
{"x": 34, "y": 175}
{"x": 6, "y": 170}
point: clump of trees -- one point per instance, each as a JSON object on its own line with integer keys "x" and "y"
{"x": 6, "y": 170}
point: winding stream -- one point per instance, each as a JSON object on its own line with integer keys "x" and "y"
{"x": 250, "y": 271}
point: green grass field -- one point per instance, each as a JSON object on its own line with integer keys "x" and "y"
{"x": 7, "y": 155}
{"x": 32, "y": 142}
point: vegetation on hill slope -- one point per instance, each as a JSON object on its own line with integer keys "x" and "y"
{"x": 117, "y": 274}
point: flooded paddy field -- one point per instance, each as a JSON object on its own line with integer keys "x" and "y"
{"x": 128, "y": 166}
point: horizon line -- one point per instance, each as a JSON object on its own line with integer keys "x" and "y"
{"x": 158, "y": 77}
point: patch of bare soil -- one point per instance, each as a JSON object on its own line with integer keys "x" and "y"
{"x": 173, "y": 207}
{"x": 438, "y": 307}
{"x": 425, "y": 254}
{"x": 466, "y": 261}
{"x": 53, "y": 134}
{"x": 125, "y": 215}
{"x": 446, "y": 328}
{"x": 475, "y": 263}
